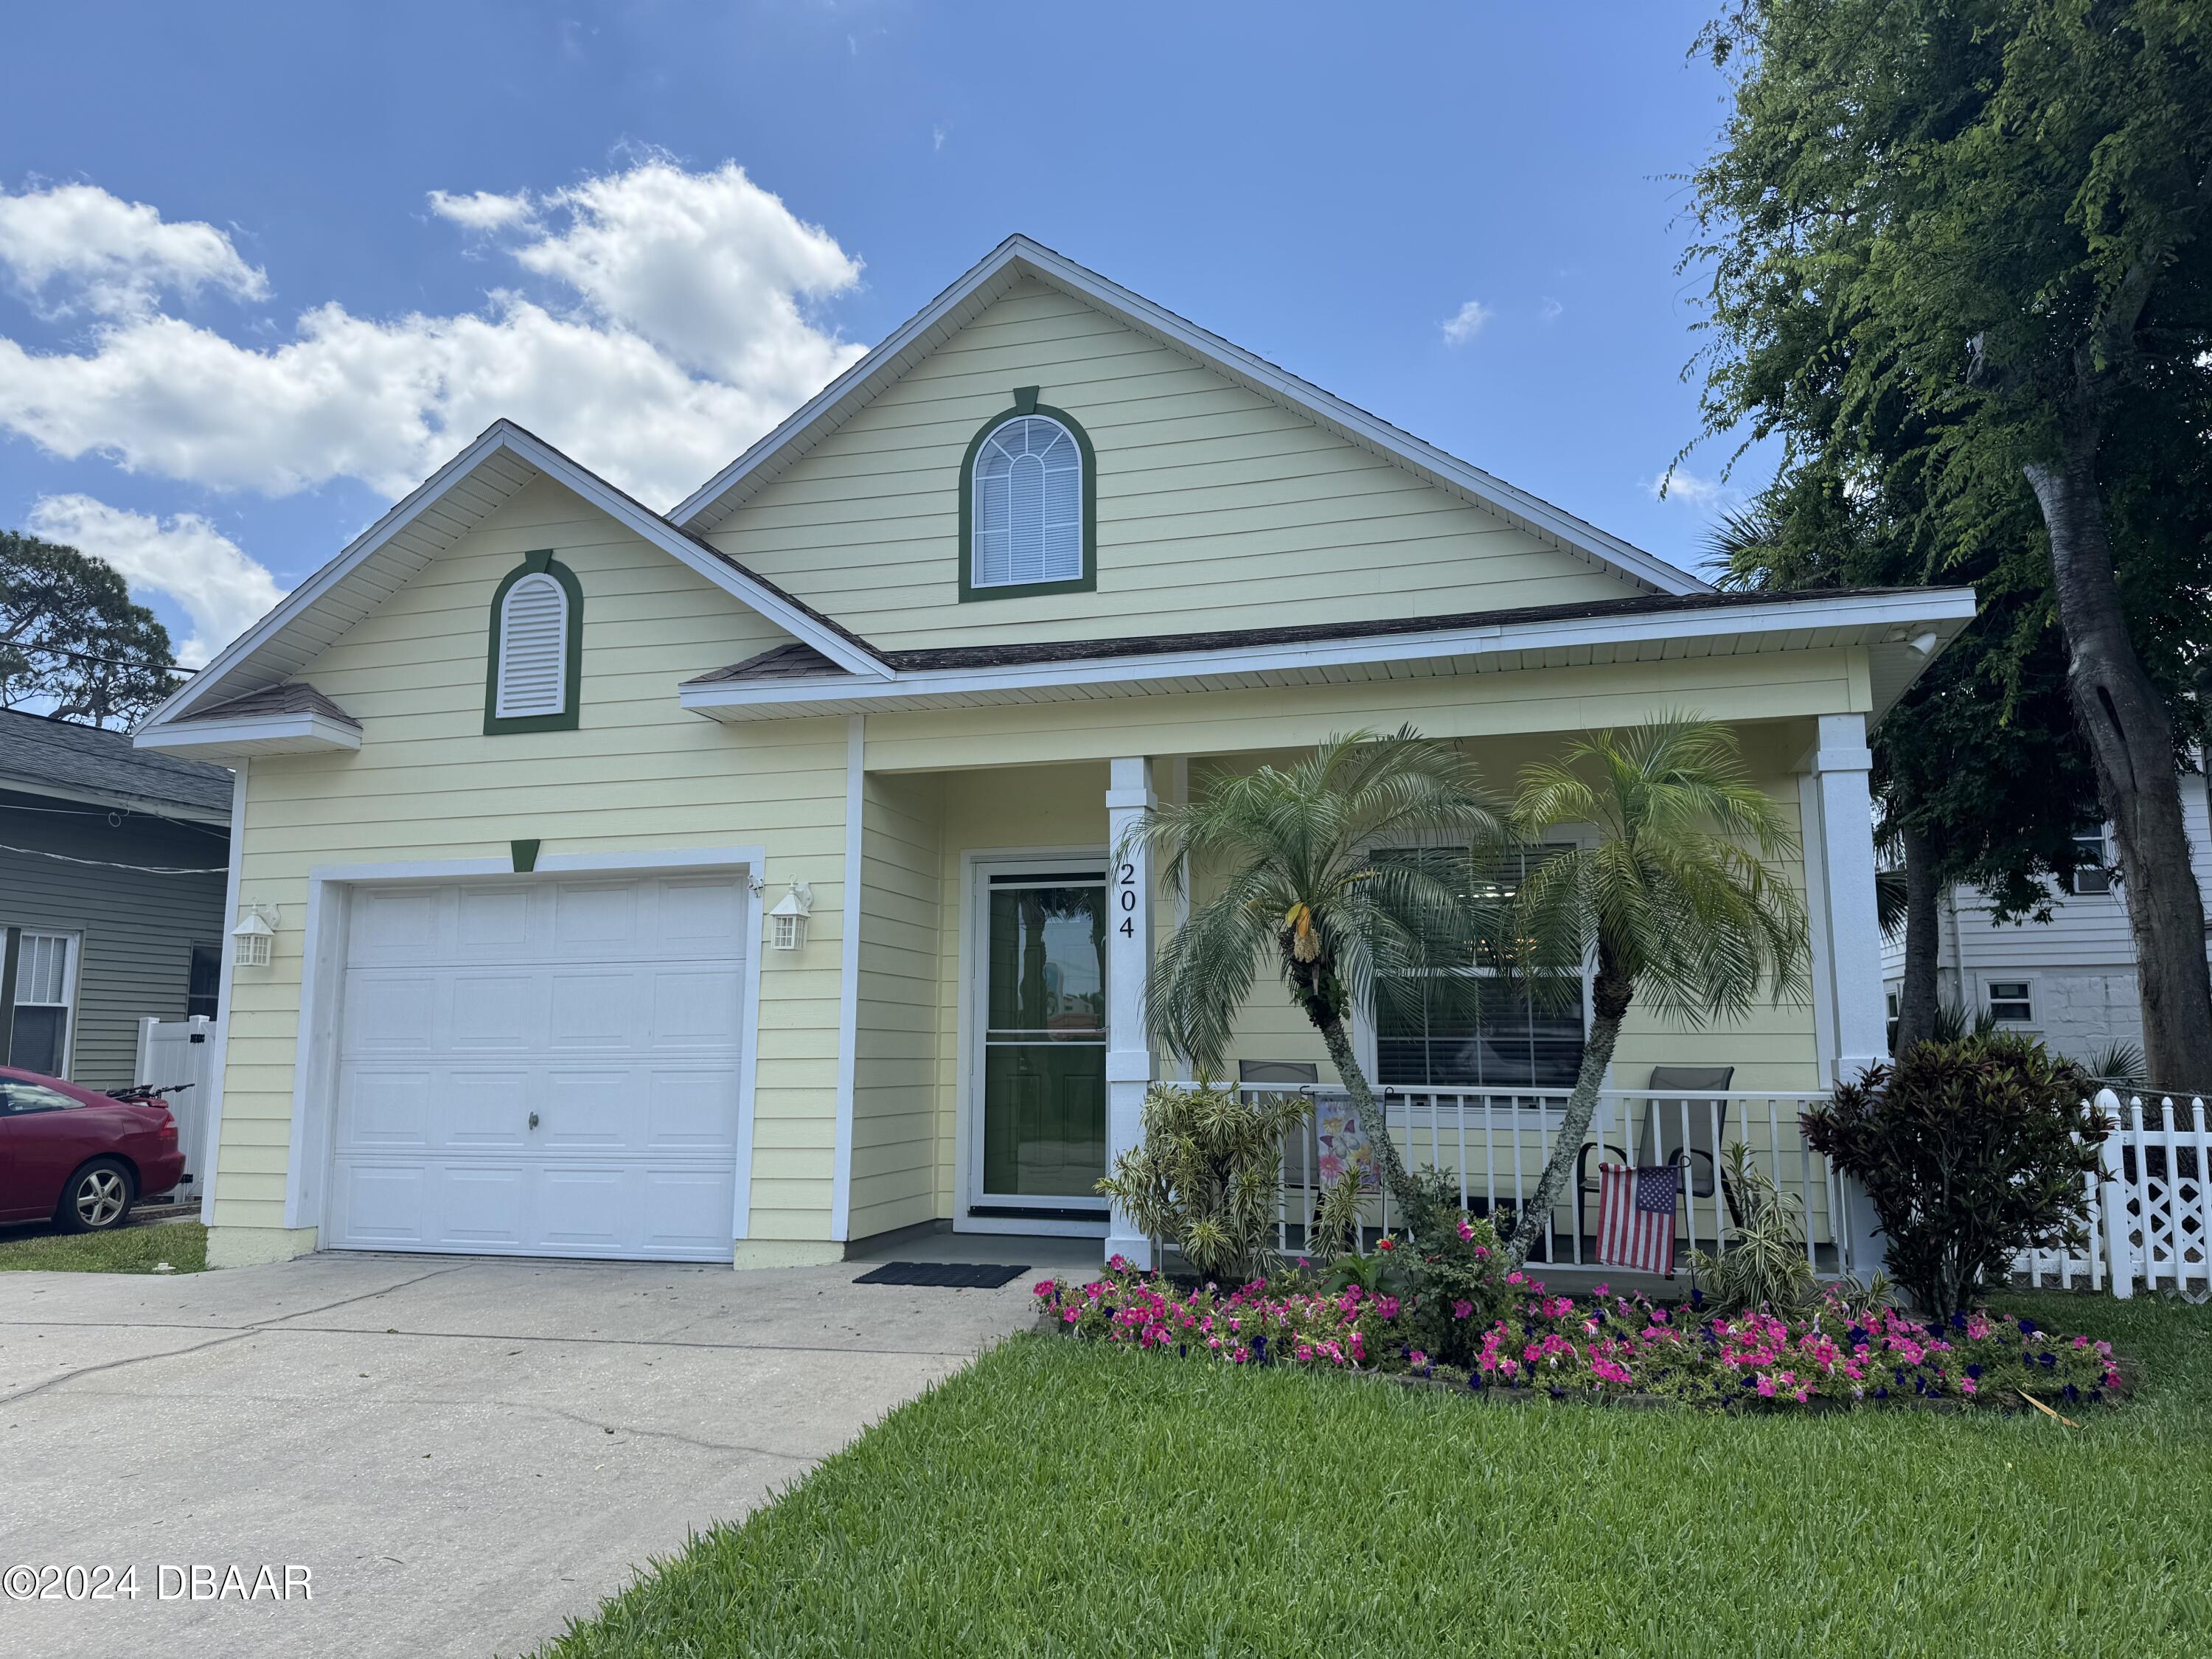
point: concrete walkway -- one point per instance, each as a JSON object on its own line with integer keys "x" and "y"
{"x": 464, "y": 1452}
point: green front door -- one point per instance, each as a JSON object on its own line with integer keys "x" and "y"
{"x": 1044, "y": 1042}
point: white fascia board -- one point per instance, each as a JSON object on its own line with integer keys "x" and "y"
{"x": 505, "y": 436}
{"x": 146, "y": 806}
{"x": 651, "y": 526}
{"x": 249, "y": 734}
{"x": 1932, "y": 606}
{"x": 1033, "y": 258}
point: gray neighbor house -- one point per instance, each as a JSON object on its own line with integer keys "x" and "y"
{"x": 112, "y": 887}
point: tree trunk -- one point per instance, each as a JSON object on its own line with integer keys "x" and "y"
{"x": 1917, "y": 1001}
{"x": 1609, "y": 997}
{"x": 1388, "y": 1164}
{"x": 2124, "y": 720}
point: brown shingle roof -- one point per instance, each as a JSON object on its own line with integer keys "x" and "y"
{"x": 291, "y": 697}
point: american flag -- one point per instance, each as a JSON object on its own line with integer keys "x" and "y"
{"x": 1636, "y": 1216}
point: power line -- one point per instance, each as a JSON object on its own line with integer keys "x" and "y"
{"x": 92, "y": 657}
{"x": 110, "y": 863}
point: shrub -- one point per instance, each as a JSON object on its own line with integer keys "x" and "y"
{"x": 1206, "y": 1175}
{"x": 1971, "y": 1152}
{"x": 1764, "y": 1265}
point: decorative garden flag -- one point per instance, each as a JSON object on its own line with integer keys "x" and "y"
{"x": 1636, "y": 1216}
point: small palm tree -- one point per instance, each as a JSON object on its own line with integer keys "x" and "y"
{"x": 1302, "y": 889}
{"x": 1675, "y": 898}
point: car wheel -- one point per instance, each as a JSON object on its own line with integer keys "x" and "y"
{"x": 97, "y": 1200}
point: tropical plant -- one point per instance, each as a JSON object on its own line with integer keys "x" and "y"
{"x": 1205, "y": 1173}
{"x": 1300, "y": 888}
{"x": 1764, "y": 1266}
{"x": 1953, "y": 1023}
{"x": 1675, "y": 898}
{"x": 1971, "y": 1152}
{"x": 2119, "y": 1066}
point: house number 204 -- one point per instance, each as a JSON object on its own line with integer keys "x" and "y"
{"x": 1127, "y": 885}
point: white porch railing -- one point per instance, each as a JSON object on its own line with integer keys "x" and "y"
{"x": 2150, "y": 1205}
{"x": 1494, "y": 1144}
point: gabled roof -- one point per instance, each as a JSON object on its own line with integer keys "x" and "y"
{"x": 445, "y": 507}
{"x": 42, "y": 755}
{"x": 1018, "y": 256}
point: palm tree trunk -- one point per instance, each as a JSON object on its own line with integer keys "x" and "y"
{"x": 1388, "y": 1164}
{"x": 1609, "y": 997}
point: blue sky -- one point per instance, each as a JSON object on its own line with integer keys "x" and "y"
{"x": 235, "y": 322}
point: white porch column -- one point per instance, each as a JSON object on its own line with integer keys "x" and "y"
{"x": 1128, "y": 961}
{"x": 1849, "y": 1013}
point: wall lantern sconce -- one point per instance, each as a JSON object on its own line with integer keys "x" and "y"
{"x": 255, "y": 933}
{"x": 788, "y": 919}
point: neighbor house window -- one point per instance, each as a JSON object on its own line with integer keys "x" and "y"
{"x": 45, "y": 999}
{"x": 537, "y": 648}
{"x": 2093, "y": 874}
{"x": 1027, "y": 496}
{"x": 205, "y": 984}
{"x": 1471, "y": 1028}
{"x": 2011, "y": 1001}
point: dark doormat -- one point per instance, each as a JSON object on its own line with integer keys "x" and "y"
{"x": 953, "y": 1275}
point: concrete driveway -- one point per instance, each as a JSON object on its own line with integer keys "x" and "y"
{"x": 463, "y": 1453}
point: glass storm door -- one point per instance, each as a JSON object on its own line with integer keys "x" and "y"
{"x": 1044, "y": 1117}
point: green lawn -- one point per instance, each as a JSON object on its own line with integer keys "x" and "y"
{"x": 182, "y": 1244}
{"x": 1059, "y": 1499}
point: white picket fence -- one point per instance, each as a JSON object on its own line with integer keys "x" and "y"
{"x": 2150, "y": 1205}
{"x": 181, "y": 1051}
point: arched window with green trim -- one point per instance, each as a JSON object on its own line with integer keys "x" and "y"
{"x": 1028, "y": 504}
{"x": 537, "y": 649}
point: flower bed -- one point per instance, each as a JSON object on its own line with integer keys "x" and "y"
{"x": 1601, "y": 1347}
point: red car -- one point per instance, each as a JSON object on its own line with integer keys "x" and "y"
{"x": 78, "y": 1157}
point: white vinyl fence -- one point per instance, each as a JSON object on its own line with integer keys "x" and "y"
{"x": 181, "y": 1051}
{"x": 2150, "y": 1205}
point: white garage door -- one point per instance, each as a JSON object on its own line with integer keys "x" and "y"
{"x": 546, "y": 1067}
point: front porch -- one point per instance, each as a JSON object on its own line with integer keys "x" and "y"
{"x": 999, "y": 1060}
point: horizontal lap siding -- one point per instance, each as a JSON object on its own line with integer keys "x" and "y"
{"x": 1216, "y": 508}
{"x": 135, "y": 930}
{"x": 639, "y": 774}
{"x": 894, "y": 1079}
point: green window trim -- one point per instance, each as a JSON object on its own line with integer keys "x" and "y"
{"x": 541, "y": 561}
{"x": 1025, "y": 403}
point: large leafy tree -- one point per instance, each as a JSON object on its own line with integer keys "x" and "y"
{"x": 71, "y": 638}
{"x": 1980, "y": 776}
{"x": 1998, "y": 208}
{"x": 1305, "y": 887}
{"x": 1675, "y": 898}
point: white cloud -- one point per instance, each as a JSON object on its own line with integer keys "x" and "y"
{"x": 111, "y": 257}
{"x": 1678, "y": 484}
{"x": 1550, "y": 311}
{"x": 222, "y": 589}
{"x": 482, "y": 210}
{"x": 1465, "y": 323}
{"x": 676, "y": 334}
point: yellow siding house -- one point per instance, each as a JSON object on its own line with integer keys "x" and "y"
{"x": 735, "y": 883}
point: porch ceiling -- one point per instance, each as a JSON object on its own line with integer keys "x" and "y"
{"x": 1902, "y": 630}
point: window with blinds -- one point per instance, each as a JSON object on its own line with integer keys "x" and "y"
{"x": 533, "y": 649}
{"x": 1027, "y": 523}
{"x": 45, "y": 989}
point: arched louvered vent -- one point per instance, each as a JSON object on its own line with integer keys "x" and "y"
{"x": 533, "y": 649}
{"x": 1028, "y": 506}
